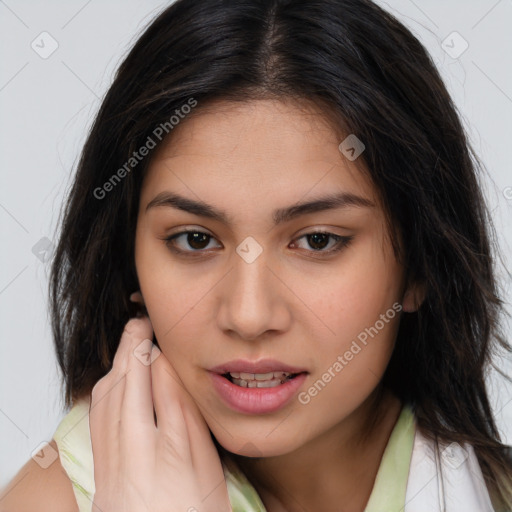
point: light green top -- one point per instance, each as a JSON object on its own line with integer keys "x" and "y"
{"x": 75, "y": 450}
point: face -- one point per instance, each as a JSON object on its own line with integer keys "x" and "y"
{"x": 252, "y": 284}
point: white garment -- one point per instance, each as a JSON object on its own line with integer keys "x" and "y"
{"x": 452, "y": 482}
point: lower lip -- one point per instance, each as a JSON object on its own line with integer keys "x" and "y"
{"x": 256, "y": 400}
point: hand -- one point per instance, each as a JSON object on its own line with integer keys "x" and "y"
{"x": 142, "y": 467}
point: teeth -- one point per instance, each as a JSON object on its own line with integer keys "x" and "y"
{"x": 268, "y": 384}
{"x": 259, "y": 376}
{"x": 264, "y": 376}
{"x": 259, "y": 380}
{"x": 281, "y": 375}
{"x": 257, "y": 384}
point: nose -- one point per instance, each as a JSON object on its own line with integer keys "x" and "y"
{"x": 253, "y": 300}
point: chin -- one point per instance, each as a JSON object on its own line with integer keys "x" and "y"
{"x": 251, "y": 446}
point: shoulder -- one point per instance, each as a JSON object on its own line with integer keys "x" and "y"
{"x": 35, "y": 488}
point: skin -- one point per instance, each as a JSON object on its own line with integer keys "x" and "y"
{"x": 290, "y": 304}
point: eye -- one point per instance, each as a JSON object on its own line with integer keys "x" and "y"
{"x": 197, "y": 240}
{"x": 319, "y": 240}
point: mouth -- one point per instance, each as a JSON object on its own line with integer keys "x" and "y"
{"x": 257, "y": 393}
{"x": 259, "y": 380}
{"x": 264, "y": 373}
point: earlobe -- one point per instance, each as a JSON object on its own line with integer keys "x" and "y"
{"x": 413, "y": 297}
{"x": 137, "y": 297}
{"x": 139, "y": 305}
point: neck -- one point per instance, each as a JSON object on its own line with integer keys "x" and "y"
{"x": 337, "y": 468}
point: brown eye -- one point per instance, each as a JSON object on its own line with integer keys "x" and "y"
{"x": 189, "y": 241}
{"x": 197, "y": 240}
{"x": 319, "y": 240}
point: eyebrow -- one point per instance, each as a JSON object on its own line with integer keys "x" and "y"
{"x": 279, "y": 216}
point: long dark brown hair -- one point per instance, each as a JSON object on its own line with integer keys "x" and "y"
{"x": 374, "y": 79}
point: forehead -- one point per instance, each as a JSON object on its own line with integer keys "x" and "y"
{"x": 258, "y": 150}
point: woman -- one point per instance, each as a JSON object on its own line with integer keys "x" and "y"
{"x": 287, "y": 188}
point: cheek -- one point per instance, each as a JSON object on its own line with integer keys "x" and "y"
{"x": 348, "y": 300}
{"x": 351, "y": 364}
{"x": 358, "y": 307}
{"x": 158, "y": 284}
{"x": 179, "y": 307}
{"x": 170, "y": 291}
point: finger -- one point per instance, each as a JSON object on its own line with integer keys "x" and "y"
{"x": 137, "y": 401}
{"x": 168, "y": 397}
{"x": 176, "y": 392}
{"x": 205, "y": 457}
{"x": 119, "y": 370}
{"x": 104, "y": 425}
{"x": 120, "y": 362}
{"x": 105, "y": 411}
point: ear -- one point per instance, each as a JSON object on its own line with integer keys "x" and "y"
{"x": 413, "y": 297}
{"x": 137, "y": 297}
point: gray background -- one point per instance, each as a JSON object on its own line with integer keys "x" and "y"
{"x": 47, "y": 106}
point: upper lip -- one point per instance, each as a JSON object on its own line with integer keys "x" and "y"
{"x": 261, "y": 366}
